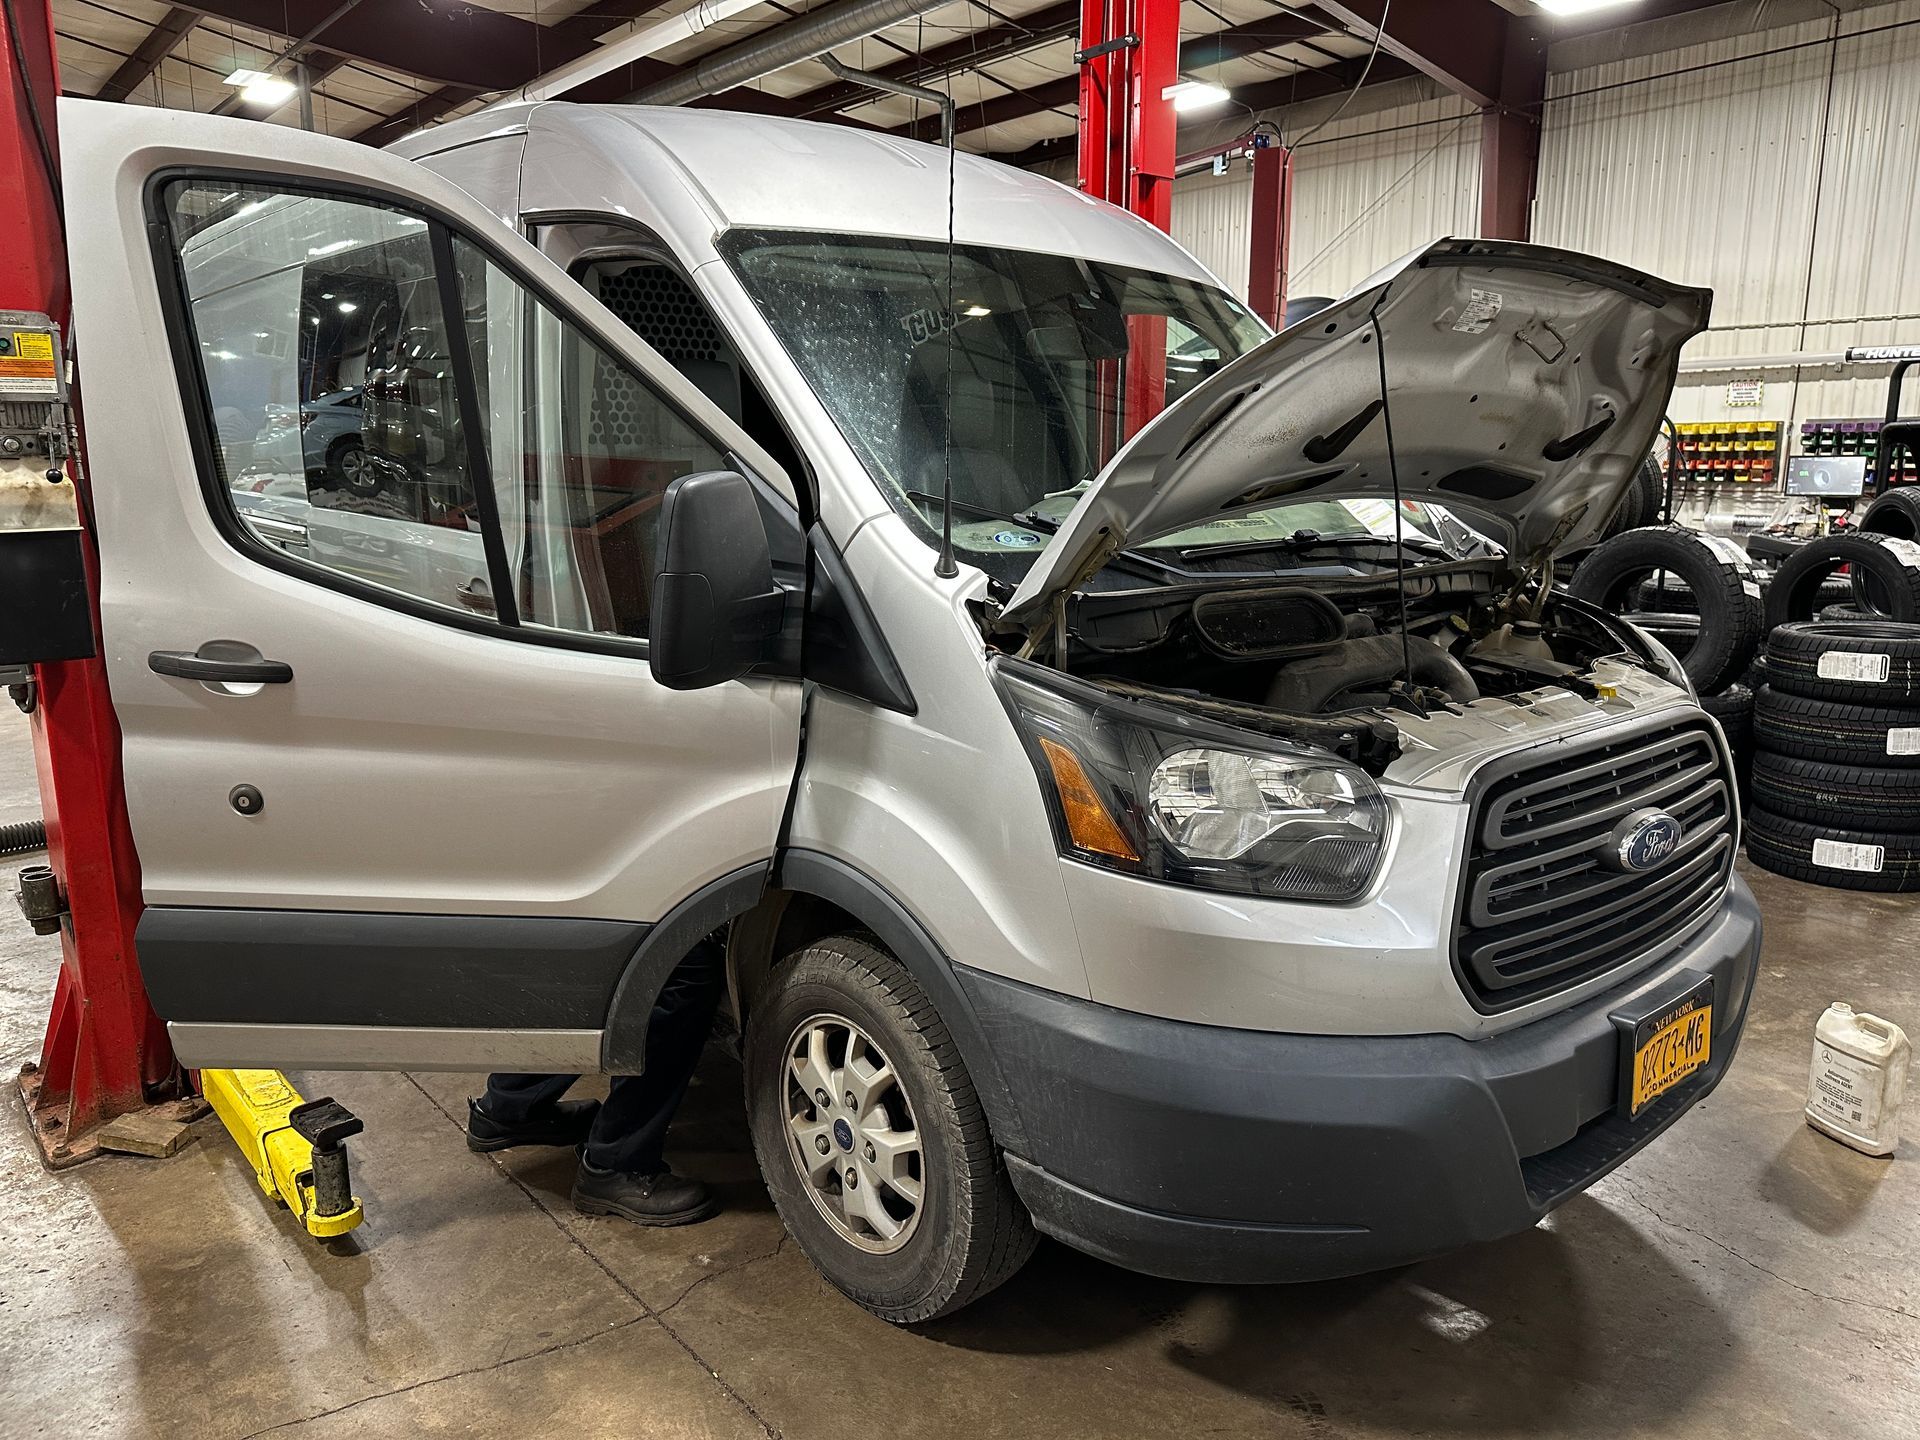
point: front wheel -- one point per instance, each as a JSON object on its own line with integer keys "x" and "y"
{"x": 872, "y": 1139}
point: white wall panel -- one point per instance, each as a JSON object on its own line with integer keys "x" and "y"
{"x": 1778, "y": 168}
{"x": 1369, "y": 189}
{"x": 1211, "y": 217}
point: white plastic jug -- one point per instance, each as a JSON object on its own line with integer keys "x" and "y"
{"x": 1858, "y": 1080}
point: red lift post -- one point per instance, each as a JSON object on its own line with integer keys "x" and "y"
{"x": 1129, "y": 57}
{"x": 106, "y": 1052}
{"x": 1272, "y": 224}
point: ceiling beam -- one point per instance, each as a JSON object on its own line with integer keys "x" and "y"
{"x": 578, "y": 34}
{"x": 1267, "y": 33}
{"x": 1458, "y": 42}
{"x": 1043, "y": 26}
{"x": 1265, "y": 95}
{"x": 455, "y": 45}
{"x": 161, "y": 42}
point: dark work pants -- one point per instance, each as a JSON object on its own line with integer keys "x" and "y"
{"x": 630, "y": 1133}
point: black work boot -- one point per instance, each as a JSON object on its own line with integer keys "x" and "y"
{"x": 663, "y": 1198}
{"x": 564, "y": 1123}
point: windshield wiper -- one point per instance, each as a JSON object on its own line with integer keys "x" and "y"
{"x": 1307, "y": 539}
{"x": 1032, "y": 519}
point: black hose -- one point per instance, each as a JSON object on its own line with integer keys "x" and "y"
{"x": 19, "y": 839}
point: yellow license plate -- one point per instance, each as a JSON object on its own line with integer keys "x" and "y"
{"x": 1670, "y": 1047}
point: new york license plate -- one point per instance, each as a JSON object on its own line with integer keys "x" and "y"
{"x": 1666, "y": 1046}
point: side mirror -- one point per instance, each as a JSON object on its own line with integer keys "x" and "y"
{"x": 716, "y": 610}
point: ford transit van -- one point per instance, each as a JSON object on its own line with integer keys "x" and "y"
{"x": 1151, "y": 790}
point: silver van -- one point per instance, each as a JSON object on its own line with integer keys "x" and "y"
{"x": 1151, "y": 790}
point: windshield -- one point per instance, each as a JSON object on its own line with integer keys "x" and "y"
{"x": 1052, "y": 363}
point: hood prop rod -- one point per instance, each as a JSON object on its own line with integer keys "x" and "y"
{"x": 1405, "y": 693}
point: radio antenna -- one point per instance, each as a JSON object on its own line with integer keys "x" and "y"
{"x": 1399, "y": 515}
{"x": 945, "y": 568}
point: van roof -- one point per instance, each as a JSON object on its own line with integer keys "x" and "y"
{"x": 770, "y": 172}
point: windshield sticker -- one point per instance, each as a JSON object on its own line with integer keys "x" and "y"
{"x": 1483, "y": 306}
{"x": 1015, "y": 539}
{"x": 924, "y": 324}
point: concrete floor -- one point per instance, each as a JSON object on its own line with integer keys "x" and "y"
{"x": 1741, "y": 1277}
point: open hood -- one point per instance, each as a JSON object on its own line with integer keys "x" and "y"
{"x": 1526, "y": 387}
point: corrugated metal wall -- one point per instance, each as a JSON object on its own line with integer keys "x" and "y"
{"x": 1367, "y": 189}
{"x": 1210, "y": 217}
{"x": 1371, "y": 188}
{"x": 1778, "y": 166}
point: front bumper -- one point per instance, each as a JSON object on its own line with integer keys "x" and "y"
{"x": 1204, "y": 1153}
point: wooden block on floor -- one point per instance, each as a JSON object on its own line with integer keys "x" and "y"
{"x": 144, "y": 1132}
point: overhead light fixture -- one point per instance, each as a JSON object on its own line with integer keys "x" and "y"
{"x": 976, "y": 311}
{"x": 1194, "y": 95}
{"x": 1578, "y": 7}
{"x": 257, "y": 87}
{"x": 347, "y": 307}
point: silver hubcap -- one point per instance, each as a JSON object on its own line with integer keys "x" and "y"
{"x": 354, "y": 466}
{"x": 851, "y": 1134}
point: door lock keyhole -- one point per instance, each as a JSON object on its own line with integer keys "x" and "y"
{"x": 247, "y": 799}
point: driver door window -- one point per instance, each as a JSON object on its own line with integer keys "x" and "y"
{"x": 390, "y": 411}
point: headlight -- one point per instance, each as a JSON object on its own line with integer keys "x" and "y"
{"x": 1150, "y": 791}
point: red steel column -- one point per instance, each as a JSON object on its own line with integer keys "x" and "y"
{"x": 1510, "y": 135}
{"x": 1272, "y": 225}
{"x": 105, "y": 1051}
{"x": 1127, "y": 152}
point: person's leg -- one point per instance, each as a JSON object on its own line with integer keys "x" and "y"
{"x": 511, "y": 1099}
{"x": 623, "y": 1168}
{"x": 528, "y": 1110}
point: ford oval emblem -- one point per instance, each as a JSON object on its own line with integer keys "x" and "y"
{"x": 1645, "y": 840}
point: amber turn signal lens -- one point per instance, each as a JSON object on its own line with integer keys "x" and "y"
{"x": 1088, "y": 822}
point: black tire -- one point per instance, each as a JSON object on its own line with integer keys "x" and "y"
{"x": 1644, "y": 501}
{"x": 1843, "y": 660}
{"x": 1845, "y": 613}
{"x": 971, "y": 1232}
{"x": 1895, "y": 513}
{"x": 26, "y": 836}
{"x": 1733, "y": 708}
{"x": 1885, "y": 570}
{"x": 1840, "y": 734}
{"x": 1823, "y": 794}
{"x": 1787, "y": 847}
{"x": 1723, "y": 641}
{"x": 1670, "y": 597}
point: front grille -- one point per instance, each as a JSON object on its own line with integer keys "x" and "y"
{"x": 1541, "y": 911}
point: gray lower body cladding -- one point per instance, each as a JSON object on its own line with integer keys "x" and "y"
{"x": 1210, "y": 1154}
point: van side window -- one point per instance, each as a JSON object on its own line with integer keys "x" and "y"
{"x": 655, "y": 301}
{"x": 583, "y": 453}
{"x": 332, "y": 344}
{"x": 318, "y": 327}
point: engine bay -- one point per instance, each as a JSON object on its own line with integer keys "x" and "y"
{"x": 1321, "y": 656}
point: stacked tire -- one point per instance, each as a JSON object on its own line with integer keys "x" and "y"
{"x": 1697, "y": 595}
{"x": 1836, "y": 772}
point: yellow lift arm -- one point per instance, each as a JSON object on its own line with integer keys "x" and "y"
{"x": 294, "y": 1146}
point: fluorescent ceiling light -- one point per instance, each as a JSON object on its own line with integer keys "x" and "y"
{"x": 347, "y": 307}
{"x": 257, "y": 87}
{"x": 1194, "y": 95}
{"x": 1578, "y": 7}
{"x": 976, "y": 311}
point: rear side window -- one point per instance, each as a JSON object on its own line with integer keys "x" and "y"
{"x": 583, "y": 453}
{"x": 389, "y": 410}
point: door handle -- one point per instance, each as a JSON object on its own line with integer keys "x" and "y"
{"x": 221, "y": 661}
